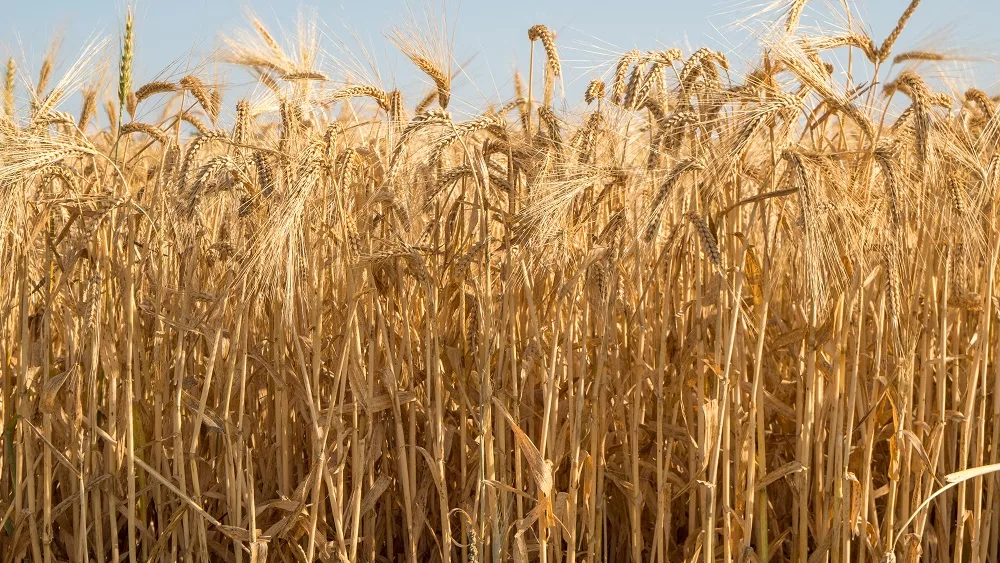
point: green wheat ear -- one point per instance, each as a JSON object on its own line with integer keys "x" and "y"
{"x": 125, "y": 68}
{"x": 125, "y": 72}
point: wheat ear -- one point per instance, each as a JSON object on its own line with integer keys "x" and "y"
{"x": 886, "y": 48}
{"x": 8, "y": 88}
{"x": 549, "y": 44}
{"x": 595, "y": 91}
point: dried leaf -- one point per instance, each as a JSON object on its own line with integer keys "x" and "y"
{"x": 918, "y": 448}
{"x": 541, "y": 469}
{"x": 375, "y": 492}
{"x": 783, "y": 471}
{"x": 51, "y": 387}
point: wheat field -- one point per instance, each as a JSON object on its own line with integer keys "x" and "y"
{"x": 710, "y": 312}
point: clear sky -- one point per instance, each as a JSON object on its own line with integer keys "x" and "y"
{"x": 494, "y": 33}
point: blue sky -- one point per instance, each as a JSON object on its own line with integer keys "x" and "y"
{"x": 494, "y": 33}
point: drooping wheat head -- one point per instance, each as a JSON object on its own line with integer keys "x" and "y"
{"x": 548, "y": 39}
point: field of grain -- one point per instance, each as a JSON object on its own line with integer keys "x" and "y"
{"x": 712, "y": 312}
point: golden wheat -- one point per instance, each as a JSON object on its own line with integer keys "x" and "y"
{"x": 738, "y": 314}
